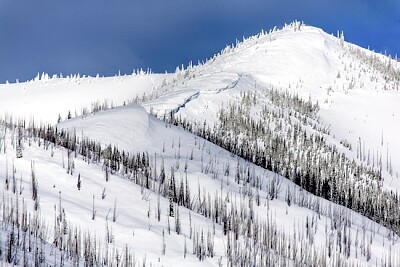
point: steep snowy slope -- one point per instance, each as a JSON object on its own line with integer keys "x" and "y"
{"x": 357, "y": 90}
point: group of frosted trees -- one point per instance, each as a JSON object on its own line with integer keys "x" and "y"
{"x": 250, "y": 240}
{"x": 280, "y": 140}
{"x": 380, "y": 66}
{"x": 27, "y": 234}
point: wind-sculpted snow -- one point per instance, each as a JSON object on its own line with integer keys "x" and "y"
{"x": 131, "y": 125}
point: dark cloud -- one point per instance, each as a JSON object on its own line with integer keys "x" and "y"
{"x": 99, "y": 36}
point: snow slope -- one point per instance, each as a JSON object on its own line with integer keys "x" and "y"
{"x": 354, "y": 97}
{"x": 45, "y": 98}
{"x": 132, "y": 131}
{"x": 357, "y": 99}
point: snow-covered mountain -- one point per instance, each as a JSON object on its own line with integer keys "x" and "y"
{"x": 283, "y": 154}
{"x": 357, "y": 90}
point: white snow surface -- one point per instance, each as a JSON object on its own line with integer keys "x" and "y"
{"x": 306, "y": 62}
{"x": 45, "y": 98}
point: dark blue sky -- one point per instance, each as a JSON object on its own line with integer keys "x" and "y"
{"x": 99, "y": 36}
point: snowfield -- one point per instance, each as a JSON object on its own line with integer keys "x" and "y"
{"x": 237, "y": 213}
{"x": 45, "y": 98}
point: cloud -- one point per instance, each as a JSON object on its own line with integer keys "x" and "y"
{"x": 99, "y": 36}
